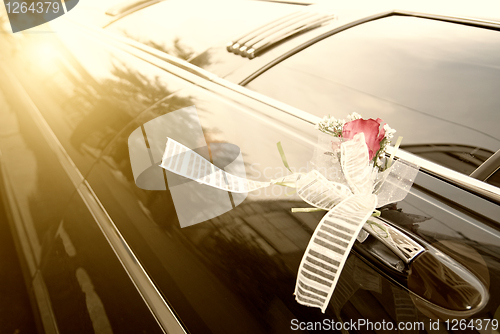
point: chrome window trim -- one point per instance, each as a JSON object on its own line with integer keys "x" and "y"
{"x": 464, "y": 181}
{"x": 496, "y": 170}
{"x": 487, "y": 168}
{"x": 487, "y": 24}
{"x": 292, "y": 2}
{"x": 126, "y": 6}
{"x": 132, "y": 10}
{"x": 158, "y": 306}
{"x": 479, "y": 187}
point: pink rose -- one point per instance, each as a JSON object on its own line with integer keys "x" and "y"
{"x": 374, "y": 133}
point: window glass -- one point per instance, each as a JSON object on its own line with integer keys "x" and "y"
{"x": 434, "y": 82}
{"x": 462, "y": 158}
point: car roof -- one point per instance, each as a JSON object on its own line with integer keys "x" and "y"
{"x": 346, "y": 14}
{"x": 483, "y": 10}
{"x": 236, "y": 16}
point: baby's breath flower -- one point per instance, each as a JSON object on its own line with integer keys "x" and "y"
{"x": 389, "y": 132}
{"x": 353, "y": 116}
{"x": 331, "y": 126}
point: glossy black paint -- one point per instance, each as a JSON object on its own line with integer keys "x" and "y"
{"x": 233, "y": 273}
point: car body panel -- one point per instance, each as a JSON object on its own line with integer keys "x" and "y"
{"x": 233, "y": 273}
{"x": 67, "y": 283}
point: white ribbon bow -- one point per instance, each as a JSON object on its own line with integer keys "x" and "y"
{"x": 349, "y": 202}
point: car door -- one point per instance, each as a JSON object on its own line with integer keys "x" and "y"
{"x": 237, "y": 271}
{"x": 242, "y": 264}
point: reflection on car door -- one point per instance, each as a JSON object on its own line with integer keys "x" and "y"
{"x": 66, "y": 106}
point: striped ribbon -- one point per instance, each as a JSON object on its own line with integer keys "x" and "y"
{"x": 349, "y": 206}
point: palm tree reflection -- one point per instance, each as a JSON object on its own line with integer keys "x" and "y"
{"x": 105, "y": 108}
{"x": 178, "y": 49}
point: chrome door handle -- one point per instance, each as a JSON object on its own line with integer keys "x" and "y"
{"x": 399, "y": 243}
{"x": 439, "y": 284}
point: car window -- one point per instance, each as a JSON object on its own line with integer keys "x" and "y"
{"x": 186, "y": 28}
{"x": 462, "y": 158}
{"x": 434, "y": 82}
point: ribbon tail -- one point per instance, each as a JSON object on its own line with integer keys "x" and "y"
{"x": 185, "y": 162}
{"x": 328, "y": 249}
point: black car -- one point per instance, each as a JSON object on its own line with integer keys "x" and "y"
{"x": 85, "y": 110}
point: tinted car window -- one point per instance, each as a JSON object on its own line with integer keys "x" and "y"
{"x": 462, "y": 158}
{"x": 186, "y": 28}
{"x": 433, "y": 81}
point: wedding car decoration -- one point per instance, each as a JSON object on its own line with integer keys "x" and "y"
{"x": 351, "y": 177}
